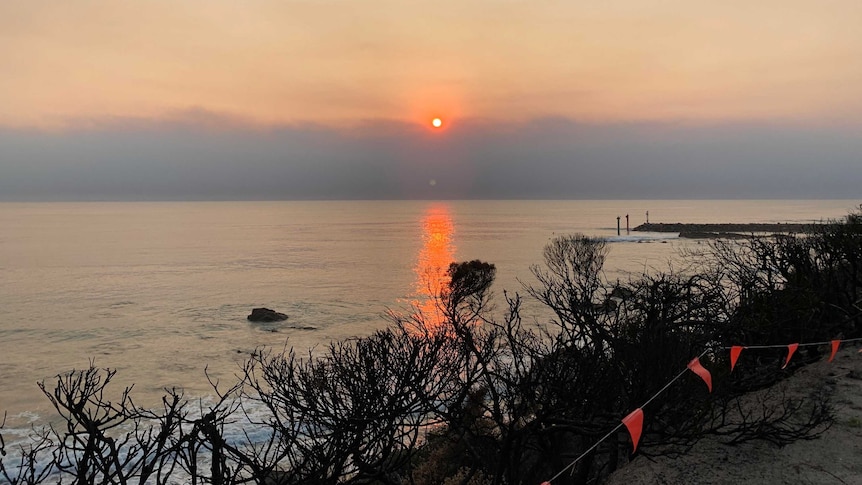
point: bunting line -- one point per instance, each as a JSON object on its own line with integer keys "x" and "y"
{"x": 784, "y": 346}
{"x": 633, "y": 421}
{"x": 597, "y": 443}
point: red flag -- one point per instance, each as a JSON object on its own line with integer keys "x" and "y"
{"x": 704, "y": 374}
{"x": 546, "y": 483}
{"x": 835, "y": 344}
{"x": 790, "y": 350}
{"x": 734, "y": 355}
{"x": 635, "y": 423}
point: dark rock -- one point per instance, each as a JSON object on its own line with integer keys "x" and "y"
{"x": 621, "y": 292}
{"x": 266, "y": 315}
{"x": 607, "y": 306}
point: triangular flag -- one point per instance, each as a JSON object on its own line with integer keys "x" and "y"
{"x": 835, "y": 344}
{"x": 635, "y": 423}
{"x": 734, "y": 355}
{"x": 790, "y": 350}
{"x": 704, "y": 374}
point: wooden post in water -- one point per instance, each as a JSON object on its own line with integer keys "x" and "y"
{"x": 647, "y": 217}
{"x": 618, "y": 225}
{"x": 627, "y": 224}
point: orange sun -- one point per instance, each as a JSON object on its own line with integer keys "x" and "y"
{"x": 436, "y": 122}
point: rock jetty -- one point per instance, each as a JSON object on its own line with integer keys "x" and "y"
{"x": 700, "y": 231}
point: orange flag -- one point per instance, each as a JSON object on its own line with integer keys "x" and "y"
{"x": 734, "y": 355}
{"x": 635, "y": 423}
{"x": 704, "y": 374}
{"x": 790, "y": 350}
{"x": 835, "y": 344}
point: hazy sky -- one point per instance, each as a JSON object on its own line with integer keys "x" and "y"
{"x": 220, "y": 99}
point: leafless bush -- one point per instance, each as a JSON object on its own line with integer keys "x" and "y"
{"x": 200, "y": 449}
{"x": 34, "y": 460}
{"x": 358, "y": 412}
{"x": 107, "y": 441}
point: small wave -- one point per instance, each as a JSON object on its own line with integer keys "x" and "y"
{"x": 121, "y": 304}
{"x": 19, "y": 428}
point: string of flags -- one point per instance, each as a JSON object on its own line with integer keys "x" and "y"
{"x": 634, "y": 420}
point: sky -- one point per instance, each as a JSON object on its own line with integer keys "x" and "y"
{"x": 333, "y": 99}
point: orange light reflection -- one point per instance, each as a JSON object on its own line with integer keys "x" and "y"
{"x": 436, "y": 254}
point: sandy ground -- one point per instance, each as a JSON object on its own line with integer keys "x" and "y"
{"x": 833, "y": 458}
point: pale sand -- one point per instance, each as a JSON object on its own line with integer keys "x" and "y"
{"x": 834, "y": 458}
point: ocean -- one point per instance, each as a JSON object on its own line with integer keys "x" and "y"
{"x": 160, "y": 291}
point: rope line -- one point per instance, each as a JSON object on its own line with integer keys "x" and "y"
{"x": 809, "y": 344}
{"x": 666, "y": 386}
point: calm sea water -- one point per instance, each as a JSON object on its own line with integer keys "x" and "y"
{"x": 161, "y": 291}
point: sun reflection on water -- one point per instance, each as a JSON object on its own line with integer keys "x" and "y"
{"x": 437, "y": 252}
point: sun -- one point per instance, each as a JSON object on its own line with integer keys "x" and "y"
{"x": 436, "y": 122}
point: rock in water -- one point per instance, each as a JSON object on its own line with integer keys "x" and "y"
{"x": 266, "y": 315}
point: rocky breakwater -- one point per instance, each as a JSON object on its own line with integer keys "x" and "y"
{"x": 723, "y": 230}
